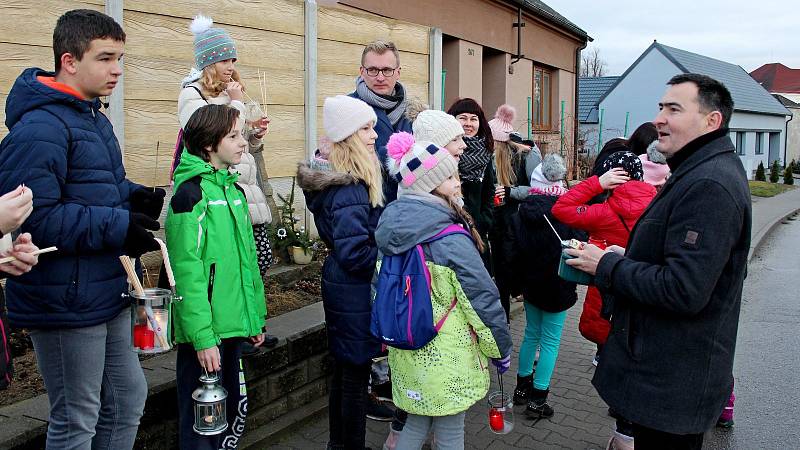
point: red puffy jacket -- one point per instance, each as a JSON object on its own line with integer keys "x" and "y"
{"x": 611, "y": 221}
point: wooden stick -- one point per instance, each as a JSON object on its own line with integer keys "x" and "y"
{"x": 155, "y": 170}
{"x": 8, "y": 259}
{"x": 132, "y": 277}
{"x": 167, "y": 265}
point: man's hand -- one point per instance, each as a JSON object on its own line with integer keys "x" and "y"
{"x": 15, "y": 207}
{"x": 586, "y": 259}
{"x": 613, "y": 178}
{"x": 258, "y": 339}
{"x": 209, "y": 359}
{"x": 23, "y": 250}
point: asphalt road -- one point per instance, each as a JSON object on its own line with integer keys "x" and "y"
{"x": 767, "y": 364}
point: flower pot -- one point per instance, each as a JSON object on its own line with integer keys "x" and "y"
{"x": 301, "y": 256}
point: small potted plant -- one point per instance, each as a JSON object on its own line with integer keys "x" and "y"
{"x": 288, "y": 240}
{"x": 301, "y": 248}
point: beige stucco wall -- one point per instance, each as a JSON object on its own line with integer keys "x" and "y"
{"x": 793, "y": 137}
{"x": 485, "y": 22}
{"x": 463, "y": 62}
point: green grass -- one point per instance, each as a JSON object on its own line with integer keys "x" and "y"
{"x": 766, "y": 189}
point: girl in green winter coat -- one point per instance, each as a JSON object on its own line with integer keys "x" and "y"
{"x": 213, "y": 255}
{"x": 437, "y": 383}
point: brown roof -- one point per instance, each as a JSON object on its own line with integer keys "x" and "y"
{"x": 776, "y": 77}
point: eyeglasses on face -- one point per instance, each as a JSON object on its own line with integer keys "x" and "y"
{"x": 386, "y": 71}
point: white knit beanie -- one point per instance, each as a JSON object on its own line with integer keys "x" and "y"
{"x": 343, "y": 116}
{"x": 437, "y": 127}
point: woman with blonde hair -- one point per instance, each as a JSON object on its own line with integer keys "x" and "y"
{"x": 346, "y": 200}
{"x": 513, "y": 165}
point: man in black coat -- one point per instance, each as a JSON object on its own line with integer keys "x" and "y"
{"x": 675, "y": 293}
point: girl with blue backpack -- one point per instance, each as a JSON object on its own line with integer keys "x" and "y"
{"x": 345, "y": 195}
{"x": 438, "y": 382}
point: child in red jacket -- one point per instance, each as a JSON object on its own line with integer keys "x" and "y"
{"x": 608, "y": 223}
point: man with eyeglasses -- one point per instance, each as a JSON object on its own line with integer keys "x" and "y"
{"x": 378, "y": 86}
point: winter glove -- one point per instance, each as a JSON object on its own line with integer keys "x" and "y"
{"x": 139, "y": 240}
{"x": 502, "y": 364}
{"x": 148, "y": 201}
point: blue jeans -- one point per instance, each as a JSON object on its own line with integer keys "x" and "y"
{"x": 95, "y": 385}
{"x": 543, "y": 331}
{"x": 448, "y": 432}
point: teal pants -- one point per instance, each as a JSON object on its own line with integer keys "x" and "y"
{"x": 542, "y": 331}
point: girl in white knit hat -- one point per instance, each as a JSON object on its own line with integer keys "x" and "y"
{"x": 346, "y": 200}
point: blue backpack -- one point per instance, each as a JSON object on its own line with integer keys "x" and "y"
{"x": 402, "y": 315}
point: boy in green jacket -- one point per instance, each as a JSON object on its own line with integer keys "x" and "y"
{"x": 213, "y": 255}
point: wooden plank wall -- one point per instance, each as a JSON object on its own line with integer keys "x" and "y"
{"x": 270, "y": 37}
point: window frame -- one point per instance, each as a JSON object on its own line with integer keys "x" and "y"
{"x": 760, "y": 142}
{"x": 741, "y": 143}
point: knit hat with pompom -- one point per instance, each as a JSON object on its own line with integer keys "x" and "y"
{"x": 503, "y": 121}
{"x": 546, "y": 177}
{"x": 211, "y": 45}
{"x": 418, "y": 165}
{"x": 431, "y": 124}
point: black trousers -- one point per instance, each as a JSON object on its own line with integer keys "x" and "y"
{"x": 188, "y": 372}
{"x": 650, "y": 439}
{"x": 347, "y": 406}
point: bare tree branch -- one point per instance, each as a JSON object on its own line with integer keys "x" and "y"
{"x": 592, "y": 65}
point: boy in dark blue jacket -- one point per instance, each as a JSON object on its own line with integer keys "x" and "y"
{"x": 63, "y": 148}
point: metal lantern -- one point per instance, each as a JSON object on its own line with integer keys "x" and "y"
{"x": 210, "y": 416}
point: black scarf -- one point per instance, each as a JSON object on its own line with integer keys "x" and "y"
{"x": 472, "y": 164}
{"x": 692, "y": 147}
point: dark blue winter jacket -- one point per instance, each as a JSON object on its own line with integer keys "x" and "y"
{"x": 346, "y": 222}
{"x": 384, "y": 128}
{"x": 65, "y": 151}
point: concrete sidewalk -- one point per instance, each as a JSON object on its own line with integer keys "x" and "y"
{"x": 580, "y": 420}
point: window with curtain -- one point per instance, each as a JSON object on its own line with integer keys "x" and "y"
{"x": 542, "y": 99}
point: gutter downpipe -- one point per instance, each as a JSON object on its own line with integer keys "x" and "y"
{"x": 310, "y": 90}
{"x": 576, "y": 123}
{"x": 786, "y": 136}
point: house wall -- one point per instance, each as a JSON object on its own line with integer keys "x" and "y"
{"x": 749, "y": 124}
{"x": 638, "y": 93}
{"x": 463, "y": 61}
{"x": 793, "y": 140}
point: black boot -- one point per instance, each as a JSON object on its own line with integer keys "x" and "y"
{"x": 522, "y": 393}
{"x": 537, "y": 407}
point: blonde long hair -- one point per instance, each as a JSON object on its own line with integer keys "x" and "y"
{"x": 353, "y": 157}
{"x": 211, "y": 82}
{"x": 505, "y": 154}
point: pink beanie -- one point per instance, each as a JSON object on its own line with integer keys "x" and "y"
{"x": 655, "y": 174}
{"x": 502, "y": 124}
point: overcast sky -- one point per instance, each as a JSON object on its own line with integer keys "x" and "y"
{"x": 744, "y": 32}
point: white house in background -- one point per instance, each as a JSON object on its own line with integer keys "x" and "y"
{"x": 758, "y": 124}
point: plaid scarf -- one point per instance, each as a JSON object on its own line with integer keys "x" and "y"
{"x": 472, "y": 164}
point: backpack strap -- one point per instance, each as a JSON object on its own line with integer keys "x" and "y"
{"x": 448, "y": 230}
{"x": 446, "y": 314}
{"x": 621, "y": 219}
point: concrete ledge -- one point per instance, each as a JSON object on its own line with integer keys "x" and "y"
{"x": 286, "y": 384}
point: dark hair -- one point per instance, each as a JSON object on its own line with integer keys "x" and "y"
{"x": 642, "y": 137}
{"x": 711, "y": 94}
{"x": 470, "y": 106}
{"x": 76, "y": 29}
{"x": 206, "y": 128}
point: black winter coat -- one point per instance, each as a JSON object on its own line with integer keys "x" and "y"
{"x": 668, "y": 361}
{"x": 346, "y": 222}
{"x": 533, "y": 253}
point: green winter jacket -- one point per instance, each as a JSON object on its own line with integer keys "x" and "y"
{"x": 213, "y": 256}
{"x": 451, "y": 372}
